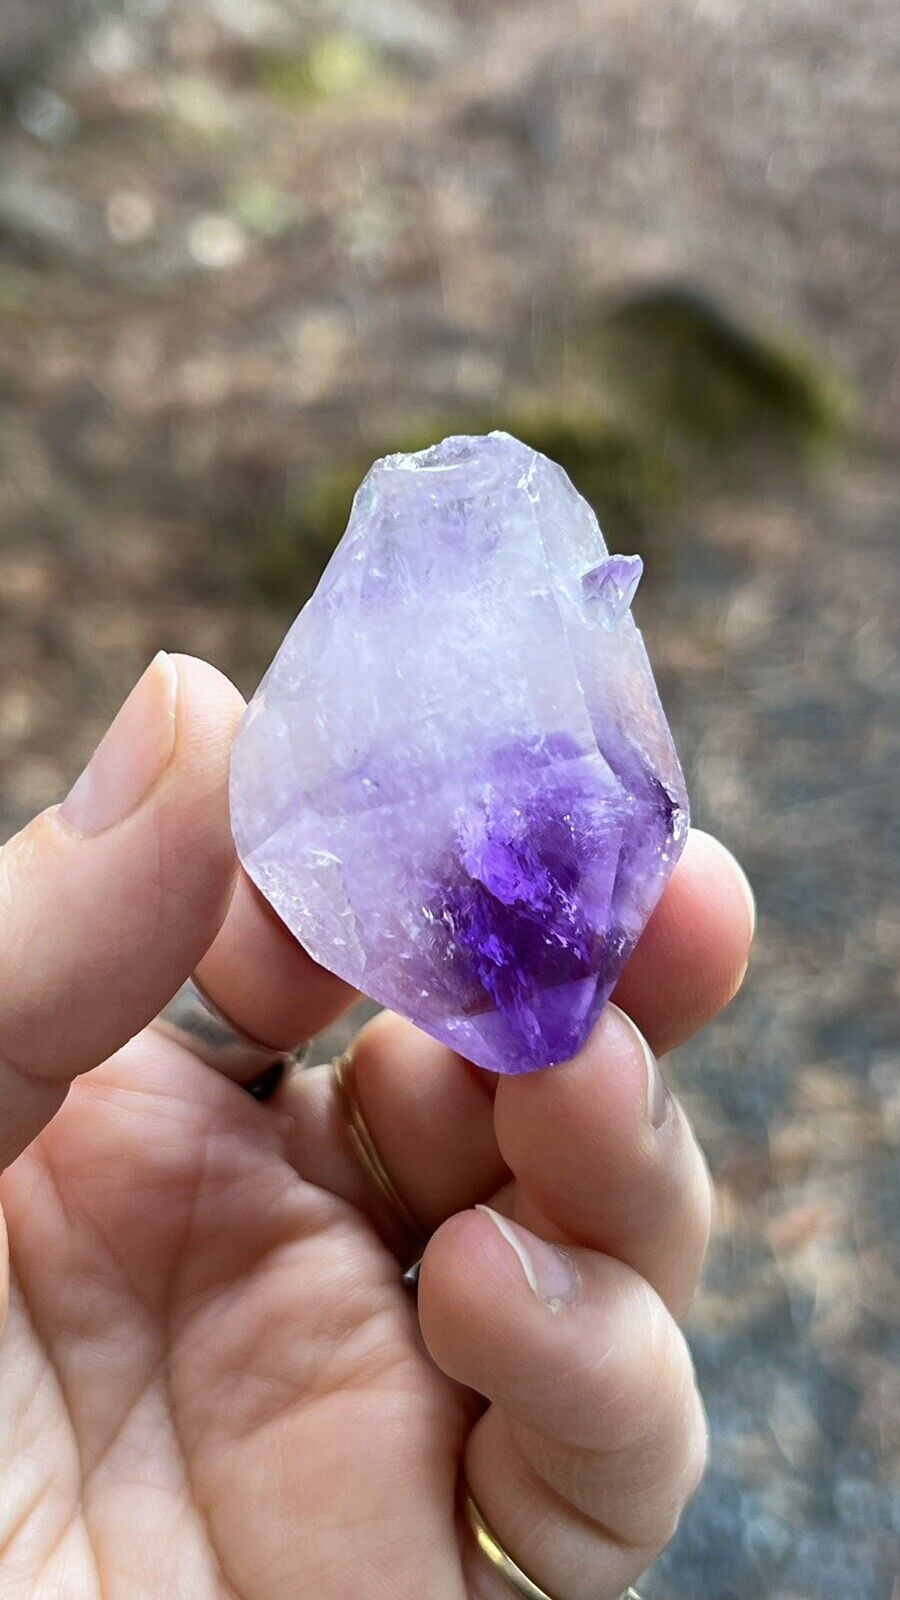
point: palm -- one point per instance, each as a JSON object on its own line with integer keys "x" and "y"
{"x": 198, "y": 1344}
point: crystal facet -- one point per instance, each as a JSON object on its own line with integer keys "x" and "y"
{"x": 611, "y": 586}
{"x": 456, "y": 784}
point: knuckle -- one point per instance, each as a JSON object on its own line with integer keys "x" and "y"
{"x": 685, "y": 1460}
{"x": 694, "y": 1199}
{"x": 28, "y": 868}
{"x": 696, "y": 1451}
{"x": 644, "y": 1391}
{"x": 690, "y": 1434}
{"x": 703, "y": 1202}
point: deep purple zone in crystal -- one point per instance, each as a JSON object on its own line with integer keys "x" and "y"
{"x": 530, "y": 900}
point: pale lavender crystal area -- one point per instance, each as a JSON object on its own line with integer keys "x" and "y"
{"x": 610, "y": 587}
{"x": 456, "y": 783}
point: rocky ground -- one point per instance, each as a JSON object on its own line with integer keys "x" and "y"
{"x": 244, "y": 246}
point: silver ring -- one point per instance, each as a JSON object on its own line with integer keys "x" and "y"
{"x": 191, "y": 1019}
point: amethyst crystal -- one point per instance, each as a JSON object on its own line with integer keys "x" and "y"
{"x": 611, "y": 586}
{"x": 456, "y": 784}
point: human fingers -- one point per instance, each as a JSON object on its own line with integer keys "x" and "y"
{"x": 261, "y": 979}
{"x": 603, "y": 1156}
{"x": 692, "y": 956}
{"x": 594, "y": 1438}
{"x": 431, "y": 1115}
{"x": 108, "y": 901}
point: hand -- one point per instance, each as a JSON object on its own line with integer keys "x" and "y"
{"x": 212, "y": 1383}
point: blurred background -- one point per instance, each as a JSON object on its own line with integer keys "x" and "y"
{"x": 247, "y": 245}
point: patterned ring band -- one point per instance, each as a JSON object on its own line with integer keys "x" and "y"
{"x": 365, "y": 1148}
{"x": 490, "y": 1547}
{"x": 191, "y": 1019}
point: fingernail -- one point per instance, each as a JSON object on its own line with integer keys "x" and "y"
{"x": 659, "y": 1100}
{"x": 550, "y": 1273}
{"x": 130, "y": 758}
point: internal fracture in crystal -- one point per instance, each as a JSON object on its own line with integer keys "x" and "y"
{"x": 456, "y": 784}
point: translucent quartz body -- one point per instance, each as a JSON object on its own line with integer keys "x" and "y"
{"x": 456, "y": 783}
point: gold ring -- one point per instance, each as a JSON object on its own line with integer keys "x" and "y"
{"x": 364, "y": 1147}
{"x": 502, "y": 1561}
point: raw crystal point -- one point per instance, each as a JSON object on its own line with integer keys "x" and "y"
{"x": 611, "y": 586}
{"x": 456, "y": 783}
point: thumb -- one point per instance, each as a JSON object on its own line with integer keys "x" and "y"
{"x": 108, "y": 901}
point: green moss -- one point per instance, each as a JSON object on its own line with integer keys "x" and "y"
{"x": 196, "y": 114}
{"x": 337, "y": 66}
{"x": 696, "y": 379}
{"x": 263, "y": 209}
{"x": 625, "y": 479}
{"x": 665, "y": 394}
{"x": 15, "y": 291}
{"x": 625, "y": 483}
{"x": 293, "y": 542}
